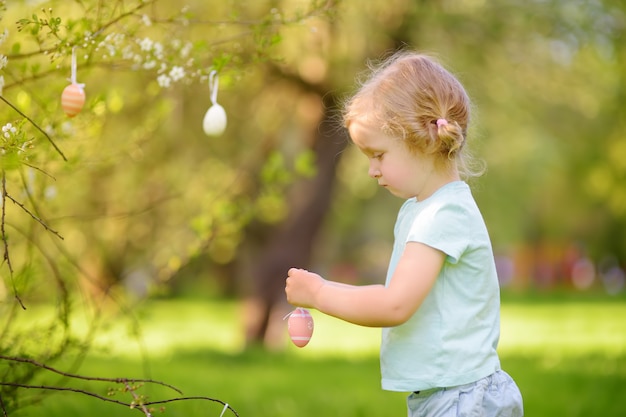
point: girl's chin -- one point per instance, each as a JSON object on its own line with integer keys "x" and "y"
{"x": 398, "y": 193}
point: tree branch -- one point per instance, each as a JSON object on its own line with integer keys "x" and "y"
{"x": 5, "y": 241}
{"x": 4, "y": 411}
{"x": 31, "y": 214}
{"x": 132, "y": 405}
{"x": 137, "y": 402}
{"x": 35, "y": 125}
{"x": 87, "y": 378}
{"x": 124, "y": 381}
{"x": 55, "y": 388}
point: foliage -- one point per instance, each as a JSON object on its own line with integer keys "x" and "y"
{"x": 127, "y": 191}
{"x": 119, "y": 41}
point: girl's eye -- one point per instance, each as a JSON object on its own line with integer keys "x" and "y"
{"x": 377, "y": 155}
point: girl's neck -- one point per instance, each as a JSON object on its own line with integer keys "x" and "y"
{"x": 438, "y": 179}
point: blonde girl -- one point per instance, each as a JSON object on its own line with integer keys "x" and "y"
{"x": 439, "y": 307}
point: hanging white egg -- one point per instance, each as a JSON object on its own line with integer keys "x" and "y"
{"x": 214, "y": 122}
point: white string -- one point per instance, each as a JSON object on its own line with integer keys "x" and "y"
{"x": 224, "y": 409}
{"x": 73, "y": 75}
{"x": 213, "y": 86}
{"x": 73, "y": 80}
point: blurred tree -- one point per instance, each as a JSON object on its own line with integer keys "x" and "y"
{"x": 130, "y": 190}
{"x": 527, "y": 128}
{"x": 547, "y": 79}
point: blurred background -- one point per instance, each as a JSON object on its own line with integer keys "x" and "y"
{"x": 135, "y": 244}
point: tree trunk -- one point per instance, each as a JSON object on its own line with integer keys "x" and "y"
{"x": 290, "y": 245}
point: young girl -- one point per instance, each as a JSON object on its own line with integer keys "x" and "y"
{"x": 439, "y": 307}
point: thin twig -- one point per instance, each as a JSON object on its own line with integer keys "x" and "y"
{"x": 88, "y": 378}
{"x": 138, "y": 401}
{"x": 40, "y": 170}
{"x": 4, "y": 410}
{"x": 55, "y": 388}
{"x": 123, "y": 16}
{"x": 5, "y": 241}
{"x": 36, "y": 126}
{"x": 6, "y": 258}
{"x": 107, "y": 399}
{"x": 171, "y": 400}
{"x": 31, "y": 214}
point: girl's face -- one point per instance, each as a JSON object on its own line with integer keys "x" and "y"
{"x": 404, "y": 173}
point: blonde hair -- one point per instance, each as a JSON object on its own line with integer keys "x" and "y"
{"x": 406, "y": 96}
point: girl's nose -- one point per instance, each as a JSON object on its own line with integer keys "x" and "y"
{"x": 373, "y": 172}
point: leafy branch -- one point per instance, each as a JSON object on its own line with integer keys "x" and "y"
{"x": 129, "y": 385}
{"x": 31, "y": 121}
{"x": 111, "y": 36}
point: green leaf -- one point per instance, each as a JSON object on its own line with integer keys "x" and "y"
{"x": 305, "y": 164}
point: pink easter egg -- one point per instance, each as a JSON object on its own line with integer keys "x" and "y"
{"x": 72, "y": 99}
{"x": 300, "y": 326}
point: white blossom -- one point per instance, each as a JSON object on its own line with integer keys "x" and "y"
{"x": 164, "y": 81}
{"x": 4, "y": 35}
{"x": 111, "y": 43}
{"x": 146, "y": 44}
{"x": 50, "y": 192}
{"x": 158, "y": 50}
{"x": 8, "y": 129}
{"x": 111, "y": 50}
{"x": 177, "y": 73}
{"x": 127, "y": 52}
{"x": 3, "y": 61}
{"x": 146, "y": 20}
{"x": 186, "y": 50}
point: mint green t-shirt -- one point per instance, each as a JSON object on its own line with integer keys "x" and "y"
{"x": 452, "y": 338}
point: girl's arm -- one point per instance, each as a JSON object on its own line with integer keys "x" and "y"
{"x": 371, "y": 305}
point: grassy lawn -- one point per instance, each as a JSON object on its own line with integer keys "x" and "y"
{"x": 568, "y": 355}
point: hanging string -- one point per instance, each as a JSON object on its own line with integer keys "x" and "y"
{"x": 213, "y": 85}
{"x": 224, "y": 409}
{"x": 73, "y": 75}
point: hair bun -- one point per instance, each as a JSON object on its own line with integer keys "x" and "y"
{"x": 450, "y": 135}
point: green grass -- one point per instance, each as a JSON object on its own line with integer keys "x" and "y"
{"x": 568, "y": 355}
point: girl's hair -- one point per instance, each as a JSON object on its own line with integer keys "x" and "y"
{"x": 406, "y": 96}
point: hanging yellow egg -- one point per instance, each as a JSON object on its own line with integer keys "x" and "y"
{"x": 72, "y": 99}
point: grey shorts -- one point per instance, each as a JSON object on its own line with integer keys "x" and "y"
{"x": 494, "y": 396}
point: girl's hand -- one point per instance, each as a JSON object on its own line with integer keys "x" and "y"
{"x": 302, "y": 287}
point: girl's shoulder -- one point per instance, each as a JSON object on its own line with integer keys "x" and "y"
{"x": 453, "y": 193}
{"x": 452, "y": 203}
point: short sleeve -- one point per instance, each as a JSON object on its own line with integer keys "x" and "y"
{"x": 444, "y": 226}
